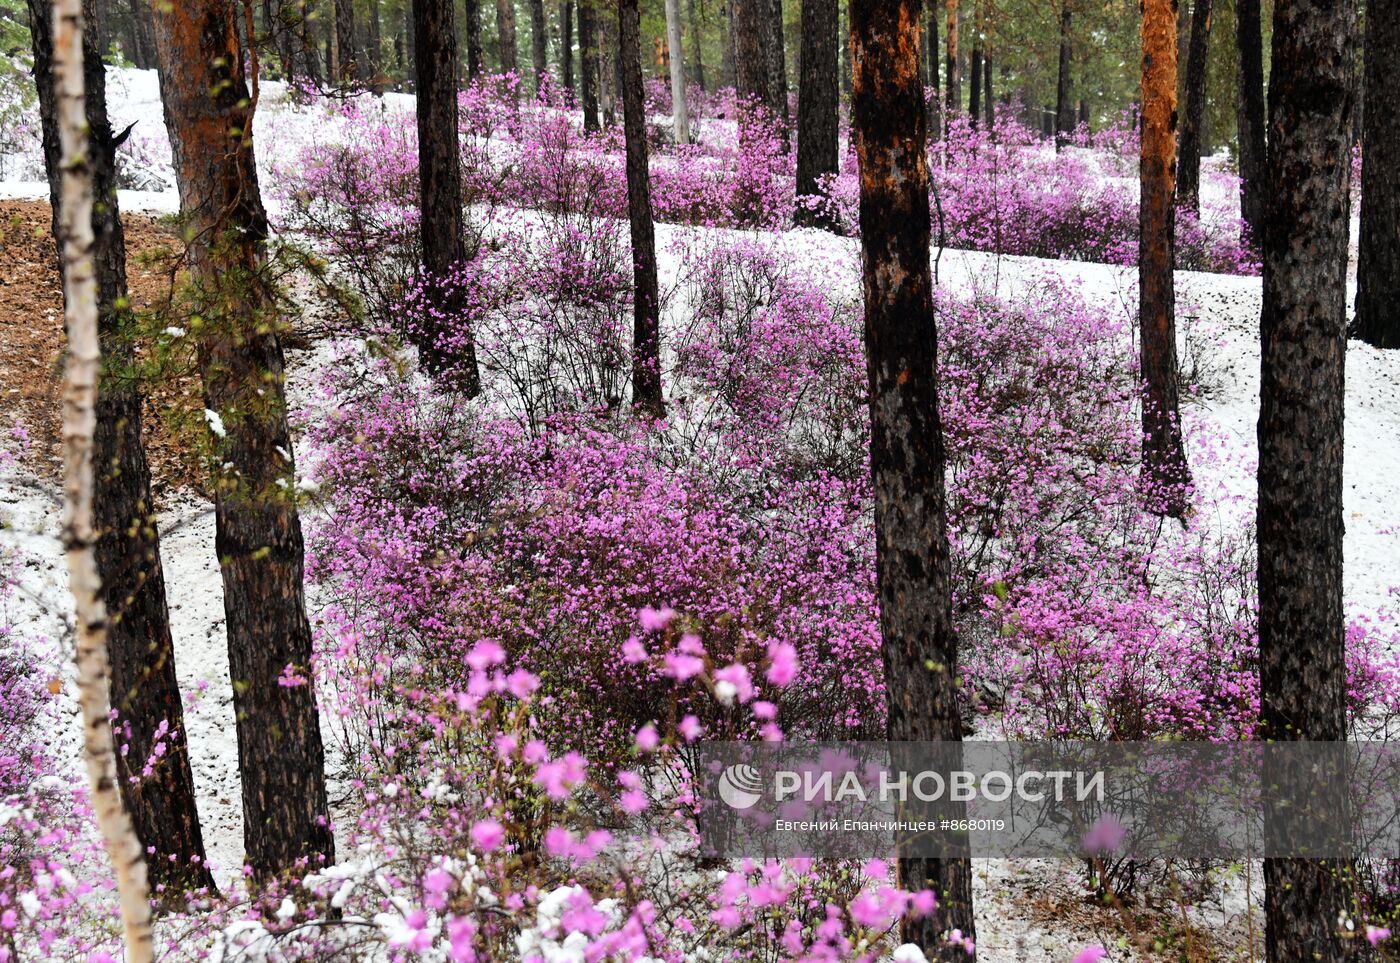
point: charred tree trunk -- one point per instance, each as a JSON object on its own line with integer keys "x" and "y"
{"x": 440, "y": 190}
{"x": 1378, "y": 272}
{"x": 919, "y": 648}
{"x": 646, "y": 326}
{"x": 588, "y": 63}
{"x": 539, "y": 43}
{"x": 566, "y": 45}
{"x": 471, "y": 10}
{"x": 1064, "y": 102}
{"x": 347, "y": 69}
{"x": 1188, "y": 168}
{"x": 952, "y": 73}
{"x": 209, "y": 115}
{"x": 1164, "y": 473}
{"x": 696, "y": 58}
{"x": 818, "y": 110}
{"x": 1249, "y": 52}
{"x": 144, "y": 688}
{"x": 505, "y": 36}
{"x": 1302, "y": 671}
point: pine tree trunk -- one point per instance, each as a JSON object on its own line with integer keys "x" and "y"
{"x": 347, "y": 68}
{"x": 727, "y": 76}
{"x": 1378, "y": 271}
{"x": 1064, "y": 103}
{"x": 1164, "y": 472}
{"x": 1249, "y": 52}
{"x": 646, "y": 329}
{"x": 471, "y": 11}
{"x": 818, "y": 109}
{"x": 566, "y": 45}
{"x": 676, "y": 50}
{"x": 440, "y": 190}
{"x": 1188, "y": 168}
{"x": 505, "y": 36}
{"x": 1303, "y": 243}
{"x": 696, "y": 59}
{"x": 209, "y": 116}
{"x": 775, "y": 55}
{"x": 80, "y": 376}
{"x": 951, "y": 72}
{"x": 750, "y": 65}
{"x": 374, "y": 59}
{"x": 906, "y": 444}
{"x": 974, "y": 93}
{"x": 539, "y": 42}
{"x": 990, "y": 108}
{"x": 588, "y": 62}
{"x": 607, "y": 64}
{"x": 144, "y": 688}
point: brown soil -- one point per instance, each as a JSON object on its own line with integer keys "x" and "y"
{"x": 32, "y": 343}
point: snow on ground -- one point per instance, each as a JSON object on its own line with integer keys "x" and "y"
{"x": 1028, "y": 911}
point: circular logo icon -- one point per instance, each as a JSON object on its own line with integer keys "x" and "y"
{"x": 740, "y": 786}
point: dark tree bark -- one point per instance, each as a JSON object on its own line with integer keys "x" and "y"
{"x": 1378, "y": 272}
{"x": 566, "y": 45}
{"x": 951, "y": 73}
{"x": 471, "y": 10}
{"x": 1164, "y": 472}
{"x": 1249, "y": 52}
{"x": 209, "y": 116}
{"x": 410, "y": 48}
{"x": 1188, "y": 167}
{"x": 539, "y": 42}
{"x": 775, "y": 56}
{"x": 440, "y": 186}
{"x": 646, "y": 326}
{"x": 696, "y": 57}
{"x": 727, "y": 76}
{"x": 1302, "y": 670}
{"x": 750, "y": 64}
{"x": 989, "y": 105}
{"x": 931, "y": 79}
{"x": 1064, "y": 102}
{"x": 608, "y": 63}
{"x": 919, "y": 648}
{"x": 974, "y": 93}
{"x": 818, "y": 147}
{"x": 588, "y": 63}
{"x": 374, "y": 54}
{"x": 347, "y": 68}
{"x": 145, "y": 690}
{"x": 505, "y": 36}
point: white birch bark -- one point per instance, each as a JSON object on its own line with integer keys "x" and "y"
{"x": 79, "y": 536}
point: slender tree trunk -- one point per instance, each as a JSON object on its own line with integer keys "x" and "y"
{"x": 209, "y": 116}
{"x": 974, "y": 94}
{"x": 775, "y": 55}
{"x": 906, "y": 444}
{"x": 990, "y": 107}
{"x": 539, "y": 42}
{"x": 607, "y": 65}
{"x": 1378, "y": 272}
{"x": 80, "y": 374}
{"x": 953, "y": 75}
{"x": 750, "y": 65}
{"x": 1064, "y": 103}
{"x": 588, "y": 62}
{"x": 696, "y": 32}
{"x": 1164, "y": 471}
{"x": 1302, "y": 671}
{"x": 471, "y": 10}
{"x": 931, "y": 80}
{"x": 505, "y": 36}
{"x": 676, "y": 50}
{"x": 1188, "y": 184}
{"x": 410, "y": 48}
{"x": 374, "y": 55}
{"x": 346, "y": 68}
{"x": 440, "y": 190}
{"x": 646, "y": 330}
{"x": 566, "y": 45}
{"x": 1249, "y": 52}
{"x": 727, "y": 76}
{"x": 144, "y": 688}
{"x": 818, "y": 109}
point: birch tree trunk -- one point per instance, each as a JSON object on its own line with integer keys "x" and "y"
{"x": 679, "y": 115}
{"x": 79, "y": 533}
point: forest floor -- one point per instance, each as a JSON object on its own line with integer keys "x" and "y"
{"x": 1032, "y": 910}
